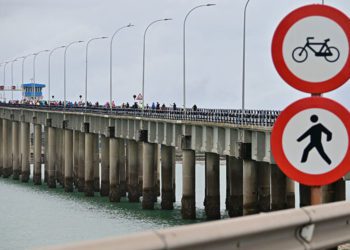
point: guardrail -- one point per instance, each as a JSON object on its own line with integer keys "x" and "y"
{"x": 264, "y": 118}
{"x": 316, "y": 227}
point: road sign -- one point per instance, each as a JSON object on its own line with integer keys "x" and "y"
{"x": 311, "y": 48}
{"x": 310, "y": 141}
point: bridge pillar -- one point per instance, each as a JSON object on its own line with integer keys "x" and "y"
{"x": 37, "y": 154}
{"x": 212, "y": 202}
{"x": 81, "y": 169}
{"x": 68, "y": 160}
{"x": 290, "y": 196}
{"x": 264, "y": 197}
{"x": 278, "y": 188}
{"x": 51, "y": 182}
{"x": 104, "y": 191}
{"x": 25, "y": 147}
{"x": 5, "y": 147}
{"x": 174, "y": 174}
{"x": 114, "y": 188}
{"x": 167, "y": 165}
{"x": 1, "y": 148}
{"x": 148, "y": 175}
{"x": 122, "y": 167}
{"x": 250, "y": 187}
{"x": 133, "y": 192}
{"x": 235, "y": 204}
{"x": 96, "y": 162}
{"x": 89, "y": 167}
{"x": 46, "y": 153}
{"x": 188, "y": 201}
{"x": 157, "y": 166}
{"x": 59, "y": 155}
{"x": 75, "y": 158}
{"x": 140, "y": 166}
{"x": 15, "y": 151}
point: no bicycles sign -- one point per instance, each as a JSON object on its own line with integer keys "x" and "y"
{"x": 311, "y": 49}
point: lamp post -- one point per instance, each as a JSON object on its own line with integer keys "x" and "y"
{"x": 243, "y": 64}
{"x": 5, "y": 64}
{"x": 184, "y": 50}
{"x": 34, "y": 62}
{"x": 24, "y": 58}
{"x": 49, "y": 73}
{"x": 86, "y": 64}
{"x": 64, "y": 73}
{"x": 12, "y": 62}
{"x": 111, "y": 63}
{"x": 144, "y": 59}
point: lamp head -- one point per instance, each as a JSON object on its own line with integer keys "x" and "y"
{"x": 210, "y": 4}
{"x": 104, "y": 37}
{"x": 80, "y": 41}
{"x": 168, "y": 19}
{"x": 130, "y": 25}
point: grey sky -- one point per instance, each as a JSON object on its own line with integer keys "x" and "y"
{"x": 214, "y": 55}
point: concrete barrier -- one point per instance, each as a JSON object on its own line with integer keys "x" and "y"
{"x": 316, "y": 227}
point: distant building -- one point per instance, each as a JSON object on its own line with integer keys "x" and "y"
{"x": 32, "y": 91}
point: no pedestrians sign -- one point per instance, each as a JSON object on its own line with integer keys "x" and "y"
{"x": 311, "y": 141}
{"x": 311, "y": 49}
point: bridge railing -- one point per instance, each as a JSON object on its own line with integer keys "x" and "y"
{"x": 264, "y": 118}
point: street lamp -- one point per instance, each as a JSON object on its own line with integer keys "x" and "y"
{"x": 86, "y": 64}
{"x": 243, "y": 64}
{"x": 49, "y": 73}
{"x": 5, "y": 64}
{"x": 34, "y": 62}
{"x": 12, "y": 76}
{"x": 64, "y": 72}
{"x": 110, "y": 63}
{"x": 144, "y": 59}
{"x": 184, "y": 50}
{"x": 24, "y": 58}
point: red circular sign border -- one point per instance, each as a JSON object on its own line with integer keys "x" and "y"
{"x": 277, "y": 134}
{"x": 277, "y": 48}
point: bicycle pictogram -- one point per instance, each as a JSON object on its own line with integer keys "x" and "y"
{"x": 331, "y": 54}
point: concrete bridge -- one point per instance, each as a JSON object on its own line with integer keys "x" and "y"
{"x": 132, "y": 152}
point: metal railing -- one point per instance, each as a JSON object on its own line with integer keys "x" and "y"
{"x": 264, "y": 118}
{"x": 316, "y": 227}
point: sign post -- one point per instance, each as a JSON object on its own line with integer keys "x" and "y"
{"x": 311, "y": 52}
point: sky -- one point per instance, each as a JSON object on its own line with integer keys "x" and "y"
{"x": 214, "y": 44}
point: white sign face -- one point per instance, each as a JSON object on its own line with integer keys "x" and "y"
{"x": 315, "y": 141}
{"x": 315, "y": 49}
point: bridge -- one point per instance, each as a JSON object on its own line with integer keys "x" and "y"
{"x": 131, "y": 152}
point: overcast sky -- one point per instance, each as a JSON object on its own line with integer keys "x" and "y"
{"x": 214, "y": 49}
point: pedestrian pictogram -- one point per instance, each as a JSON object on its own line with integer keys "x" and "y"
{"x": 311, "y": 49}
{"x": 315, "y": 134}
{"x": 310, "y": 141}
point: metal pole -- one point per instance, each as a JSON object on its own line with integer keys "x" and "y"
{"x": 111, "y": 63}
{"x": 34, "y": 62}
{"x": 243, "y": 65}
{"x": 144, "y": 60}
{"x": 86, "y": 64}
{"x": 49, "y": 74}
{"x": 24, "y": 58}
{"x": 184, "y": 51}
{"x": 12, "y": 77}
{"x": 5, "y": 64}
{"x": 64, "y": 73}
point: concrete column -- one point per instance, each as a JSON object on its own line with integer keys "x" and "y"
{"x": 278, "y": 188}
{"x": 340, "y": 190}
{"x": 46, "y": 153}
{"x": 89, "y": 167}
{"x": 174, "y": 174}
{"x": 148, "y": 175}
{"x": 188, "y": 201}
{"x": 213, "y": 186}
{"x": 1, "y": 148}
{"x": 15, "y": 151}
{"x": 167, "y": 165}
{"x": 290, "y": 193}
{"x": 333, "y": 192}
{"x": 25, "y": 147}
{"x": 104, "y": 166}
{"x": 37, "y": 154}
{"x": 114, "y": 188}
{"x": 96, "y": 162}
{"x": 140, "y": 166}
{"x": 59, "y": 156}
{"x": 157, "y": 167}
{"x": 227, "y": 200}
{"x": 133, "y": 189}
{"x": 75, "y": 157}
{"x": 250, "y": 187}
{"x": 235, "y": 204}
{"x": 68, "y": 160}
{"x": 5, "y": 149}
{"x": 305, "y": 195}
{"x": 264, "y": 197}
{"x": 51, "y": 182}
{"x": 122, "y": 167}
{"x": 81, "y": 170}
